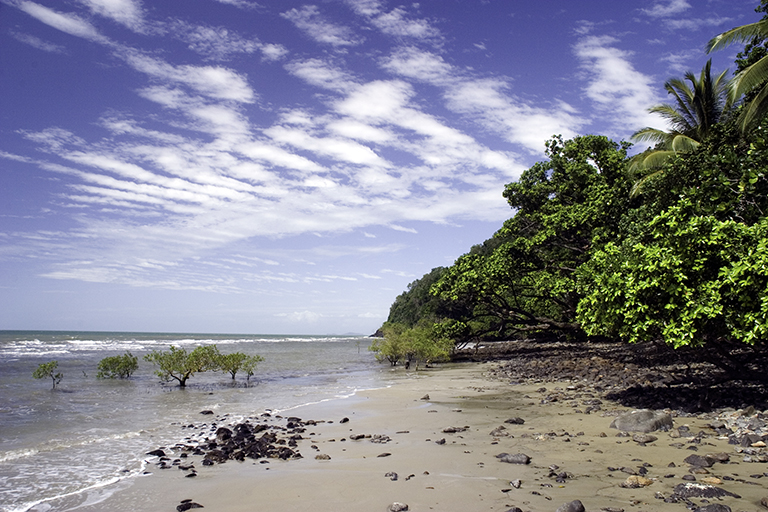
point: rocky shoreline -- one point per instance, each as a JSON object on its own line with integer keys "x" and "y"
{"x": 547, "y": 430}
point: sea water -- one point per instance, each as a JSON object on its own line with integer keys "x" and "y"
{"x": 88, "y": 432}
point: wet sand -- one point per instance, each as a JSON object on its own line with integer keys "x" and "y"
{"x": 461, "y": 474}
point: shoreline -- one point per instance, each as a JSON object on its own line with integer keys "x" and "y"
{"x": 574, "y": 455}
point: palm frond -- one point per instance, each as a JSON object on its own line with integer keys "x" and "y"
{"x": 751, "y": 77}
{"x": 682, "y": 143}
{"x": 649, "y": 134}
{"x": 740, "y": 34}
{"x": 755, "y": 109}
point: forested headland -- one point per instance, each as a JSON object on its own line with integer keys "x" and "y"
{"x": 666, "y": 246}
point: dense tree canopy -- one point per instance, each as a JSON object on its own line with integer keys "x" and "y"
{"x": 685, "y": 263}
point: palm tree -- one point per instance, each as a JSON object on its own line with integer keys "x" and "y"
{"x": 755, "y": 75}
{"x": 700, "y": 103}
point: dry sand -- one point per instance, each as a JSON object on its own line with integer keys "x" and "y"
{"x": 463, "y": 474}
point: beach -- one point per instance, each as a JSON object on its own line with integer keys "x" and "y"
{"x": 443, "y": 430}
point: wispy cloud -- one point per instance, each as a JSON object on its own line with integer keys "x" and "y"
{"x": 620, "y": 92}
{"x": 671, "y": 8}
{"x": 66, "y": 22}
{"x": 38, "y": 43}
{"x": 125, "y": 12}
{"x": 309, "y": 20}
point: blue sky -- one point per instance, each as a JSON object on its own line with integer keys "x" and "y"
{"x": 289, "y": 166}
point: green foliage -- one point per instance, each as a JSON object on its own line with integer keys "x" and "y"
{"x": 115, "y": 367}
{"x": 524, "y": 281}
{"x": 48, "y": 370}
{"x": 417, "y": 304}
{"x": 180, "y": 365}
{"x": 697, "y": 280}
{"x": 236, "y": 362}
{"x": 420, "y": 344}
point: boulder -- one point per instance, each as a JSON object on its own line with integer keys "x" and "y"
{"x": 695, "y": 490}
{"x": 517, "y": 458}
{"x": 714, "y": 507}
{"x": 642, "y": 420}
{"x": 397, "y": 507}
{"x": 573, "y": 506}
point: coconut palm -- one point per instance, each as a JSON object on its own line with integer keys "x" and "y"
{"x": 755, "y": 75}
{"x": 700, "y": 103}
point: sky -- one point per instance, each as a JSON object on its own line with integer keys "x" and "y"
{"x": 281, "y": 166}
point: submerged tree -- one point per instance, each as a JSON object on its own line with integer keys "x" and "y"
{"x": 236, "y": 362}
{"x": 118, "y": 367}
{"x": 180, "y": 365}
{"x": 48, "y": 370}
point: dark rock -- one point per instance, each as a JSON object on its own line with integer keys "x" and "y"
{"x": 453, "y": 430}
{"x": 515, "y": 421}
{"x": 690, "y": 490}
{"x": 322, "y": 456}
{"x": 187, "y": 505}
{"x": 517, "y": 458}
{"x": 344, "y": 420}
{"x": 206, "y": 413}
{"x": 702, "y": 461}
{"x": 392, "y": 476}
{"x": 156, "y": 453}
{"x": 384, "y": 454}
{"x": 643, "y": 420}
{"x": 714, "y": 507}
{"x": 573, "y": 506}
{"x": 515, "y": 509}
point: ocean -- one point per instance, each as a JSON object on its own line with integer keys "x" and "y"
{"x": 88, "y": 432}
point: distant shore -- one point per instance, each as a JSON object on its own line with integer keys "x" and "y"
{"x": 442, "y": 430}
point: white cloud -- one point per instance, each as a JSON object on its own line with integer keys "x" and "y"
{"x": 68, "y": 23}
{"x": 396, "y": 22}
{"x": 213, "y": 81}
{"x": 309, "y": 20}
{"x": 320, "y": 73}
{"x": 38, "y": 43}
{"x": 125, "y": 12}
{"x": 661, "y": 10}
{"x": 619, "y": 91}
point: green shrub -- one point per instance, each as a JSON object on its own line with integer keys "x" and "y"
{"x": 115, "y": 367}
{"x": 46, "y": 370}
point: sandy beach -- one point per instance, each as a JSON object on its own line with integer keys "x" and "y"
{"x": 574, "y": 455}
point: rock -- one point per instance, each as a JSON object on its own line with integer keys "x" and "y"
{"x": 516, "y": 483}
{"x": 691, "y": 490}
{"x": 711, "y": 480}
{"x": 344, "y": 420}
{"x": 517, "y": 458}
{"x": 440, "y": 441}
{"x": 425, "y": 397}
{"x": 206, "y": 413}
{"x": 392, "y": 476}
{"x": 500, "y": 431}
{"x": 515, "y": 421}
{"x": 385, "y": 454}
{"x": 644, "y": 438}
{"x": 515, "y": 509}
{"x": 764, "y": 502}
{"x": 701, "y": 461}
{"x": 187, "y": 505}
{"x": 573, "y": 506}
{"x": 636, "y": 482}
{"x": 453, "y": 430}
{"x": 642, "y": 420}
{"x": 322, "y": 456}
{"x": 156, "y": 453}
{"x": 714, "y": 507}
{"x": 397, "y": 507}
